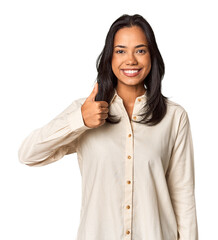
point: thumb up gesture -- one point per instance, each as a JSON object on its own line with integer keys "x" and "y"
{"x": 94, "y": 112}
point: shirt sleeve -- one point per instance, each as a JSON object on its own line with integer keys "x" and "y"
{"x": 55, "y": 139}
{"x": 181, "y": 181}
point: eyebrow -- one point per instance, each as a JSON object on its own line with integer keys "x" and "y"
{"x": 138, "y": 46}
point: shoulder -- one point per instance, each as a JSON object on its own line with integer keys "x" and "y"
{"x": 176, "y": 110}
{"x": 177, "y": 116}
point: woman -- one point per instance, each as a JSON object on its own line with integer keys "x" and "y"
{"x": 134, "y": 145}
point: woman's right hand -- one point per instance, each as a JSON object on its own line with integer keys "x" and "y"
{"x": 94, "y": 112}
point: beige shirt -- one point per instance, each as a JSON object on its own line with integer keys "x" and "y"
{"x": 137, "y": 181}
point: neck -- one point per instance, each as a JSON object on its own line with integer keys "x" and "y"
{"x": 130, "y": 93}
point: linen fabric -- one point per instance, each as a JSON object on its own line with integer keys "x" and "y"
{"x": 138, "y": 181}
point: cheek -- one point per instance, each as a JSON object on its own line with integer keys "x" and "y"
{"x": 115, "y": 64}
{"x": 147, "y": 61}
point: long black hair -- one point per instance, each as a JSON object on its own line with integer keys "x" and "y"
{"x": 155, "y": 107}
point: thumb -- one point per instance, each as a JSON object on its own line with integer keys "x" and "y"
{"x": 94, "y": 92}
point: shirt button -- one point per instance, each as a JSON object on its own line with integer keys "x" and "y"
{"x": 134, "y": 117}
{"x": 139, "y": 99}
{"x": 127, "y": 232}
{"x": 128, "y": 182}
{"x": 130, "y": 135}
{"x": 128, "y": 207}
{"x": 129, "y": 157}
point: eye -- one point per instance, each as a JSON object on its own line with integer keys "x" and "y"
{"x": 121, "y": 51}
{"x": 118, "y": 51}
{"x": 142, "y": 50}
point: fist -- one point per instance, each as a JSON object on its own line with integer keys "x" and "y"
{"x": 94, "y": 112}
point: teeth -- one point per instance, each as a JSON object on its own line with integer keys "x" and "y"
{"x": 131, "y": 71}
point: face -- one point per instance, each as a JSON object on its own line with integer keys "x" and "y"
{"x": 131, "y": 61}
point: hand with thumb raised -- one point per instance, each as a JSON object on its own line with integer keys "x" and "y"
{"x": 94, "y": 112}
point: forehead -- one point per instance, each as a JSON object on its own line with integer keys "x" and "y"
{"x": 130, "y": 35}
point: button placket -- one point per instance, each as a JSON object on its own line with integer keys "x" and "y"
{"x": 129, "y": 164}
{"x": 128, "y": 184}
{"x": 136, "y": 108}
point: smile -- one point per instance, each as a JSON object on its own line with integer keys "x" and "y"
{"x": 131, "y": 73}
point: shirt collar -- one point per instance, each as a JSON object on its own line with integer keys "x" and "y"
{"x": 141, "y": 98}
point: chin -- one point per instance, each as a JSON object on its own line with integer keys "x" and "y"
{"x": 131, "y": 82}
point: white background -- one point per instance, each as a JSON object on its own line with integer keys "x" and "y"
{"x": 48, "y": 51}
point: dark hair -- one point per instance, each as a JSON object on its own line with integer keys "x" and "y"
{"x": 155, "y": 107}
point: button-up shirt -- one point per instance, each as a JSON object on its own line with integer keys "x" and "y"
{"x": 137, "y": 181}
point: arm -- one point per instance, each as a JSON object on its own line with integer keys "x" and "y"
{"x": 55, "y": 139}
{"x": 181, "y": 181}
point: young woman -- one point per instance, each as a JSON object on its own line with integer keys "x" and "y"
{"x": 134, "y": 145}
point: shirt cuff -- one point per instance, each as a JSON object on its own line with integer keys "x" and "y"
{"x": 76, "y": 122}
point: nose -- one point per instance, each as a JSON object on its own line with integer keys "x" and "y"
{"x": 131, "y": 59}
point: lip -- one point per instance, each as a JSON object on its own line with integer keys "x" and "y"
{"x": 131, "y": 69}
{"x": 131, "y": 74}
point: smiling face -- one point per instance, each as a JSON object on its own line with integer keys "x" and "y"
{"x": 130, "y": 52}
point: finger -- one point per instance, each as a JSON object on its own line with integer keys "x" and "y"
{"x": 103, "y": 115}
{"x": 94, "y": 92}
{"x": 103, "y": 104}
{"x": 104, "y": 110}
